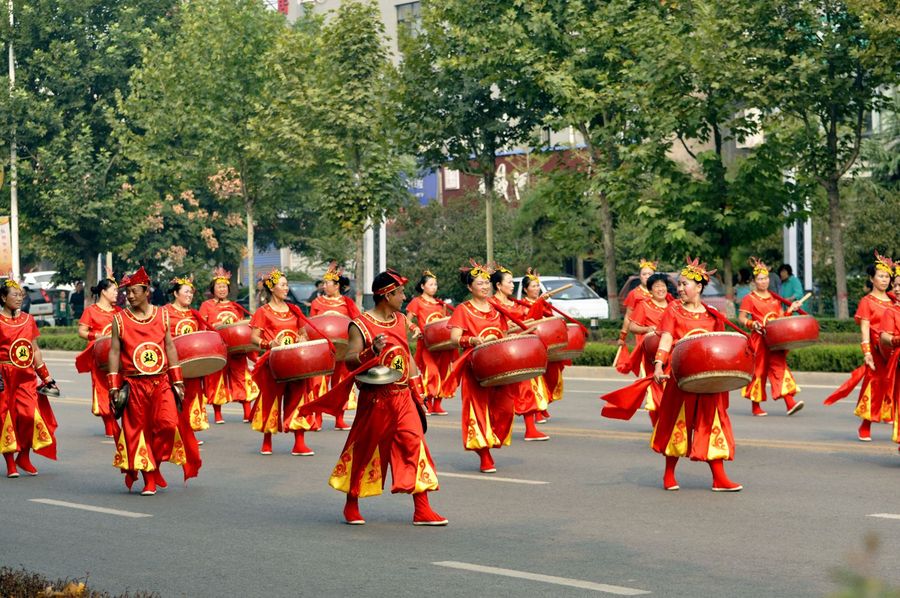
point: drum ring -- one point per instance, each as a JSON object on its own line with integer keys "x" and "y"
{"x": 498, "y": 380}
{"x": 717, "y": 374}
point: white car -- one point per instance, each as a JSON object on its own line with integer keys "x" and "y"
{"x": 578, "y": 301}
{"x": 43, "y": 280}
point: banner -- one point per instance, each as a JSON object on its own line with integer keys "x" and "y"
{"x": 5, "y": 246}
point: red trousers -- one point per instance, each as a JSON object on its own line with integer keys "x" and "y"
{"x": 693, "y": 425}
{"x": 487, "y": 413}
{"x": 26, "y": 419}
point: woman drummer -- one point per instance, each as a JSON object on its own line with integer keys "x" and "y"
{"x": 890, "y": 339}
{"x": 873, "y": 404}
{"x": 434, "y": 366}
{"x": 757, "y": 308}
{"x": 184, "y": 320}
{"x": 332, "y": 301}
{"x": 644, "y": 320}
{"x": 96, "y": 322}
{"x": 487, "y": 414}
{"x": 536, "y": 308}
{"x": 690, "y": 424}
{"x": 637, "y": 294}
{"x": 26, "y": 420}
{"x": 233, "y": 383}
{"x": 530, "y": 397}
{"x": 278, "y": 324}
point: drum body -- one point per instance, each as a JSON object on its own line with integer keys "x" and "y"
{"x": 200, "y": 353}
{"x": 552, "y": 331}
{"x": 101, "y": 352}
{"x": 237, "y": 337}
{"x": 301, "y": 360}
{"x": 712, "y": 362}
{"x": 575, "y": 341}
{"x": 785, "y": 334}
{"x": 508, "y": 360}
{"x": 334, "y": 327}
{"x": 651, "y": 345}
{"x": 437, "y": 335}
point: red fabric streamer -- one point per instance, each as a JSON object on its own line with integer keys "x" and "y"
{"x": 847, "y": 387}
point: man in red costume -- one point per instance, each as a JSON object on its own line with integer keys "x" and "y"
{"x": 143, "y": 356}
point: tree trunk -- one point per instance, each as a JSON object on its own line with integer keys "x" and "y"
{"x": 91, "y": 276}
{"x": 360, "y": 271}
{"x": 837, "y": 247}
{"x": 251, "y": 275}
{"x": 727, "y": 278}
{"x": 609, "y": 255}
{"x": 489, "y": 215}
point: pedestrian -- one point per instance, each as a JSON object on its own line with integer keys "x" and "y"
{"x": 76, "y": 300}
{"x": 317, "y": 292}
{"x": 791, "y": 288}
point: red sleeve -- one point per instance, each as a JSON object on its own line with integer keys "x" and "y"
{"x": 351, "y": 308}
{"x": 667, "y": 324}
{"x": 86, "y": 317}
{"x": 258, "y": 320}
{"x": 864, "y": 311}
{"x": 314, "y": 308}
{"x": 639, "y": 314}
{"x": 458, "y": 319}
{"x": 631, "y": 298}
{"x": 206, "y": 310}
{"x": 747, "y": 304}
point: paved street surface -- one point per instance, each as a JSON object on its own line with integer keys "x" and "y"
{"x": 583, "y": 514}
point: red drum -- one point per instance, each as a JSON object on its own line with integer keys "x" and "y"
{"x": 437, "y": 335}
{"x": 651, "y": 345}
{"x": 786, "y": 334}
{"x": 508, "y": 360}
{"x": 237, "y": 337}
{"x": 334, "y": 327}
{"x": 712, "y": 362}
{"x": 552, "y": 331}
{"x": 575, "y": 341}
{"x": 200, "y": 353}
{"x": 299, "y": 361}
{"x": 101, "y": 352}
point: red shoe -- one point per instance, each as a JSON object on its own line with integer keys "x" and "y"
{"x": 758, "y": 410}
{"x": 352, "y": 515}
{"x": 217, "y": 409}
{"x": 247, "y": 408}
{"x": 542, "y": 417}
{"x": 11, "y": 471}
{"x": 25, "y": 463}
{"x": 300, "y": 449}
{"x": 340, "y": 424}
{"x": 160, "y": 480}
{"x": 721, "y": 482}
{"x": 795, "y": 408}
{"x": 487, "y": 463}
{"x": 424, "y": 514}
{"x": 865, "y": 431}
{"x": 532, "y": 434}
{"x": 149, "y": 483}
{"x": 669, "y": 481}
{"x": 267, "y": 444}
{"x": 436, "y": 408}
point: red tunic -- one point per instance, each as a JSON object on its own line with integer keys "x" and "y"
{"x": 193, "y": 409}
{"x": 646, "y": 313}
{"x": 220, "y": 312}
{"x": 690, "y": 424}
{"x": 487, "y": 413}
{"x": 99, "y": 322}
{"x": 435, "y": 366}
{"x": 890, "y": 323}
{"x": 771, "y": 365}
{"x": 635, "y": 296}
{"x": 233, "y": 383}
{"x": 340, "y": 305}
{"x": 26, "y": 419}
{"x": 553, "y": 377}
{"x": 874, "y": 403}
{"x": 387, "y": 429}
{"x": 143, "y": 342}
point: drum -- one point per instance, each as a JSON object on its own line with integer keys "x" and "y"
{"x": 237, "y": 337}
{"x": 437, "y": 335}
{"x": 508, "y": 360}
{"x": 200, "y": 353}
{"x": 299, "y": 361}
{"x": 334, "y": 327}
{"x": 650, "y": 345}
{"x": 552, "y": 331}
{"x": 712, "y": 362}
{"x": 786, "y": 334}
{"x": 575, "y": 341}
{"x": 101, "y": 352}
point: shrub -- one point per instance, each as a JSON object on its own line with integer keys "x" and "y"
{"x": 597, "y": 354}
{"x": 826, "y": 358}
{"x": 61, "y": 342}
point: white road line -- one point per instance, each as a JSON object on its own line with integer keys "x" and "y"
{"x": 75, "y": 505}
{"x": 107, "y": 442}
{"x": 490, "y": 478}
{"x": 885, "y": 515}
{"x": 560, "y": 581}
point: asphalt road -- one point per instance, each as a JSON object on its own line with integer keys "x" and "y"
{"x": 582, "y": 514}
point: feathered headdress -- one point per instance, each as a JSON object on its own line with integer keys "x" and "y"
{"x": 189, "y": 281}
{"x": 531, "y": 274}
{"x": 696, "y": 271}
{"x": 220, "y": 274}
{"x": 334, "y": 272}
{"x": 883, "y": 262}
{"x": 645, "y": 263}
{"x": 271, "y": 279}
{"x": 11, "y": 281}
{"x": 477, "y": 270}
{"x": 759, "y": 267}
{"x": 502, "y": 269}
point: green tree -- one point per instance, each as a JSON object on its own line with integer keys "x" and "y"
{"x": 72, "y": 60}
{"x": 828, "y": 64}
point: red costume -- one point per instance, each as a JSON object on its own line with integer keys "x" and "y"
{"x": 151, "y": 430}
{"x": 890, "y": 323}
{"x": 26, "y": 420}
{"x": 343, "y": 306}
{"x": 622, "y": 360}
{"x": 99, "y": 323}
{"x": 874, "y": 404}
{"x": 193, "y": 407}
{"x": 646, "y": 313}
{"x": 433, "y": 366}
{"x": 233, "y": 383}
{"x": 771, "y": 365}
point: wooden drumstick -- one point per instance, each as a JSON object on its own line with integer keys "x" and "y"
{"x": 565, "y": 287}
{"x": 802, "y": 301}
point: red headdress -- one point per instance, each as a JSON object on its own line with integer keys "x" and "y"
{"x": 334, "y": 272}
{"x": 759, "y": 267}
{"x": 696, "y": 271}
{"x": 138, "y": 278}
{"x": 477, "y": 270}
{"x": 220, "y": 274}
{"x": 393, "y": 281}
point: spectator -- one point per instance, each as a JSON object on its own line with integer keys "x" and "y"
{"x": 77, "y": 301}
{"x": 320, "y": 290}
{"x": 159, "y": 297}
{"x": 791, "y": 289}
{"x": 744, "y": 285}
{"x": 26, "y": 301}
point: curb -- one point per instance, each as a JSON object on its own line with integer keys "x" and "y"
{"x": 815, "y": 378}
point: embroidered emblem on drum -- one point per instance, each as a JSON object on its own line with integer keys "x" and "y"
{"x": 148, "y": 358}
{"x": 226, "y": 317}
{"x": 490, "y": 333}
{"x": 21, "y": 353}
{"x": 286, "y": 337}
{"x": 185, "y": 327}
{"x": 397, "y": 363}
{"x": 432, "y": 317}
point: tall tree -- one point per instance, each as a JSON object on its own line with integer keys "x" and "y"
{"x": 73, "y": 59}
{"x": 829, "y": 63}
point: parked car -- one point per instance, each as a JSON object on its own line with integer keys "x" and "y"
{"x": 579, "y": 301}
{"x": 43, "y": 280}
{"x": 713, "y": 294}
{"x": 44, "y": 303}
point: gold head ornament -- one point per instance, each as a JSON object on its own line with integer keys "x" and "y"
{"x": 110, "y": 277}
{"x": 11, "y": 281}
{"x": 185, "y": 280}
{"x": 502, "y": 269}
{"x": 645, "y": 263}
{"x": 884, "y": 263}
{"x": 333, "y": 273}
{"x": 696, "y": 271}
{"x": 477, "y": 270}
{"x": 758, "y": 266}
{"x": 220, "y": 274}
{"x": 271, "y": 279}
{"x": 428, "y": 274}
{"x": 532, "y": 274}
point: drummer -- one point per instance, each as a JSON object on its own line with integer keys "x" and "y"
{"x": 530, "y": 397}
{"x": 757, "y": 308}
{"x": 689, "y": 424}
{"x": 277, "y": 324}
{"x": 637, "y": 294}
{"x": 95, "y": 322}
{"x": 538, "y": 307}
{"x": 143, "y": 356}
{"x": 890, "y": 337}
{"x": 27, "y": 422}
{"x": 184, "y": 320}
{"x": 233, "y": 383}
{"x": 873, "y": 404}
{"x": 434, "y": 366}
{"x": 332, "y": 301}
{"x": 388, "y": 428}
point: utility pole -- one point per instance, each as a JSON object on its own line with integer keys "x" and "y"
{"x": 13, "y": 158}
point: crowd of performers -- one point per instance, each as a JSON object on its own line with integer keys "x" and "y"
{"x": 153, "y": 413}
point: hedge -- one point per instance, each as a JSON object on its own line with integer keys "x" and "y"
{"x": 818, "y": 358}
{"x": 61, "y": 342}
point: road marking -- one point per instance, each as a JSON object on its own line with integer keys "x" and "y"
{"x": 75, "y": 505}
{"x": 885, "y": 515}
{"x": 560, "y": 581}
{"x": 107, "y": 442}
{"x": 625, "y": 381}
{"x": 490, "y": 478}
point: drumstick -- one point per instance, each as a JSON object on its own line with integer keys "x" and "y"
{"x": 528, "y": 330}
{"x": 565, "y": 287}
{"x": 802, "y": 301}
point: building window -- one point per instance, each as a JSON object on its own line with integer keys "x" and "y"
{"x": 409, "y": 17}
{"x": 451, "y": 179}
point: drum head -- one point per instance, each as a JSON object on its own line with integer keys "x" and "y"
{"x": 202, "y": 366}
{"x": 714, "y": 382}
